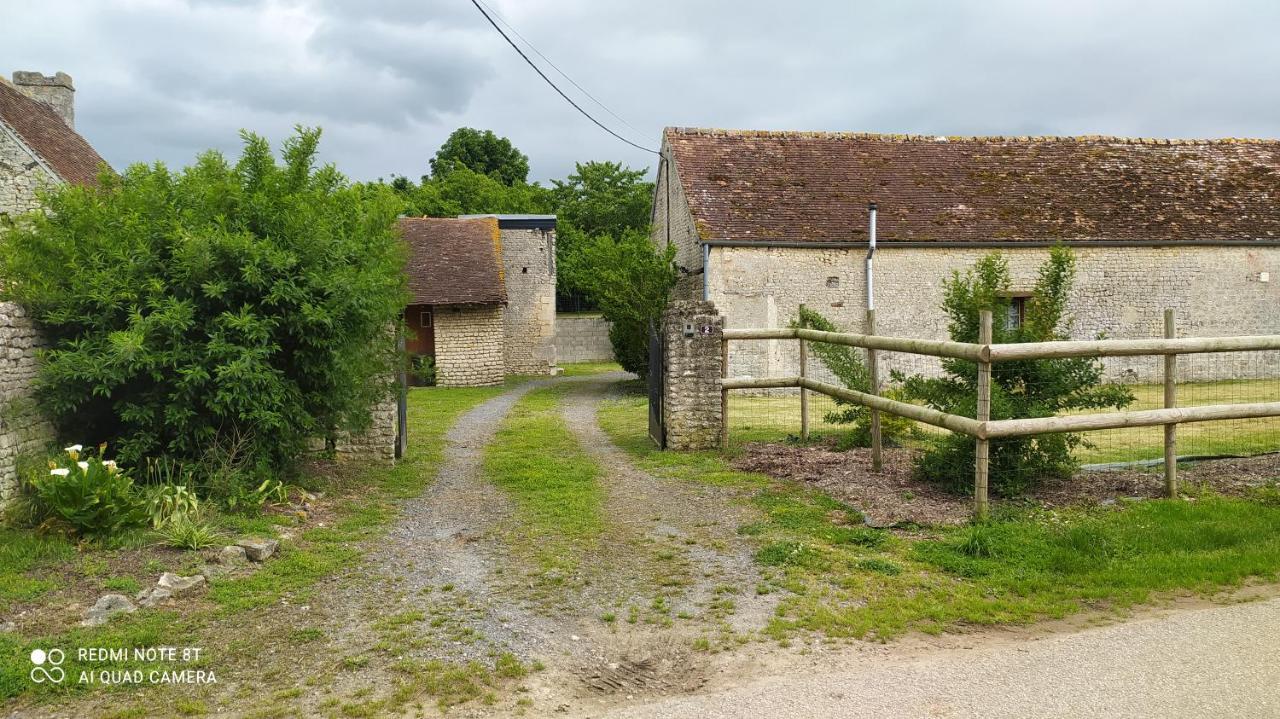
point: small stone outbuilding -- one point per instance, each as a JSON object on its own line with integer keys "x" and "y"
{"x": 483, "y": 296}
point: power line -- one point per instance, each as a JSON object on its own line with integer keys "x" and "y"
{"x": 543, "y": 75}
{"x": 555, "y": 67}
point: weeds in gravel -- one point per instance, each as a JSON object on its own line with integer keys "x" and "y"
{"x": 847, "y": 580}
{"x": 536, "y": 459}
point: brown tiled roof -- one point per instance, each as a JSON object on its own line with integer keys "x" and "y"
{"x": 42, "y": 130}
{"x": 454, "y": 262}
{"x": 814, "y": 187}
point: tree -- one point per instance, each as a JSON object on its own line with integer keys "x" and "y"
{"x": 224, "y": 314}
{"x": 466, "y": 192}
{"x": 482, "y": 152}
{"x": 1031, "y": 388}
{"x": 604, "y": 198}
{"x": 629, "y": 279}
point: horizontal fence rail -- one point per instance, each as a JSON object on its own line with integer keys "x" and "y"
{"x": 986, "y": 354}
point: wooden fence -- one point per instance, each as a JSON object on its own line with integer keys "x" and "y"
{"x": 981, "y": 427}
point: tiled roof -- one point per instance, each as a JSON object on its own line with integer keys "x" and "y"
{"x": 42, "y": 130}
{"x": 454, "y": 262}
{"x": 814, "y": 187}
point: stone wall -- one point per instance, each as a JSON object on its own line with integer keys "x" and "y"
{"x": 683, "y": 232}
{"x": 377, "y": 443}
{"x": 582, "y": 339}
{"x": 20, "y": 176}
{"x": 22, "y": 428}
{"x": 529, "y": 271}
{"x": 691, "y": 392}
{"x": 469, "y": 345}
{"x": 1120, "y": 292}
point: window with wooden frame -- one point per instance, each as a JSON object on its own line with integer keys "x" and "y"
{"x": 1017, "y": 310}
{"x": 424, "y": 318}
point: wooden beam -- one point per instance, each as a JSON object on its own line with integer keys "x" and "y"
{"x": 760, "y": 382}
{"x": 953, "y": 422}
{"x": 1129, "y": 348}
{"x": 1170, "y": 401}
{"x": 936, "y": 348}
{"x": 780, "y": 333}
{"x": 724, "y": 393}
{"x": 982, "y": 448}
{"x": 1114, "y": 420}
{"x": 804, "y": 393}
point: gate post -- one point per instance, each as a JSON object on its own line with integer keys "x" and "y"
{"x": 692, "y": 331}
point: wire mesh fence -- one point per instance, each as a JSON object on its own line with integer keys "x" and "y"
{"x": 1125, "y": 383}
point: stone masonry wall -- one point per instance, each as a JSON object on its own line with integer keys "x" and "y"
{"x": 691, "y": 395}
{"x": 469, "y": 343}
{"x": 582, "y": 339}
{"x": 1120, "y": 292}
{"x": 22, "y": 428}
{"x": 376, "y": 443}
{"x": 683, "y": 231}
{"x": 20, "y": 177}
{"x": 529, "y": 269}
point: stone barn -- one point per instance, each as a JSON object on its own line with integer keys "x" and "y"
{"x": 766, "y": 221}
{"x": 483, "y": 296}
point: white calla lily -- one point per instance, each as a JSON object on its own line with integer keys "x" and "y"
{"x": 60, "y": 471}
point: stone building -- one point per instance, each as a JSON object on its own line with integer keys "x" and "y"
{"x": 39, "y": 146}
{"x": 766, "y": 221}
{"x": 483, "y": 296}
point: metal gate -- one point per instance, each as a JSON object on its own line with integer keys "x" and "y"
{"x": 657, "y": 375}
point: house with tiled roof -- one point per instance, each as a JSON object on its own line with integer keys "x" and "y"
{"x": 39, "y": 146}
{"x": 482, "y": 295}
{"x": 766, "y": 221}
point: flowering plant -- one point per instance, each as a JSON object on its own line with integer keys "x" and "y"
{"x": 91, "y": 495}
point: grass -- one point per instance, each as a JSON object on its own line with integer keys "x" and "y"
{"x": 579, "y": 369}
{"x": 537, "y": 460}
{"x": 843, "y": 579}
{"x": 775, "y": 417}
{"x": 365, "y": 502}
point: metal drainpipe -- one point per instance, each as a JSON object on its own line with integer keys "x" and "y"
{"x": 871, "y": 251}
{"x": 706, "y": 272}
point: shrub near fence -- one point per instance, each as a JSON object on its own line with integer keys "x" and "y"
{"x": 1253, "y": 393}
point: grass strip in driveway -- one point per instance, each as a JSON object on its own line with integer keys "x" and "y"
{"x": 846, "y": 580}
{"x": 555, "y": 485}
{"x": 364, "y": 504}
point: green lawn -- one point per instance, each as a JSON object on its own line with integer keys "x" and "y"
{"x": 365, "y": 502}
{"x": 845, "y": 580}
{"x": 775, "y": 417}
{"x": 578, "y": 369}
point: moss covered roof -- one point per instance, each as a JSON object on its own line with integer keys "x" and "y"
{"x": 815, "y": 187}
{"x": 454, "y": 262}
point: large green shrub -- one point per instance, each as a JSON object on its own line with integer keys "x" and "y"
{"x": 230, "y": 311}
{"x": 850, "y": 371}
{"x": 629, "y": 280}
{"x": 1031, "y": 388}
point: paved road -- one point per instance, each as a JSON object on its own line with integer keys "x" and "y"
{"x": 1214, "y": 662}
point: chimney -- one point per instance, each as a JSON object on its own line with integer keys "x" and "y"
{"x": 55, "y": 91}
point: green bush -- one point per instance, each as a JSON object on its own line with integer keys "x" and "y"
{"x": 226, "y": 309}
{"x": 629, "y": 280}
{"x": 850, "y": 371}
{"x": 1029, "y": 388}
{"x": 422, "y": 368}
{"x": 94, "y": 498}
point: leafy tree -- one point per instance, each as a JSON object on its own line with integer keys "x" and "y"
{"x": 482, "y": 152}
{"x": 467, "y": 192}
{"x": 220, "y": 310}
{"x": 1030, "y": 388}
{"x": 629, "y": 279}
{"x": 604, "y": 198}
{"x": 850, "y": 371}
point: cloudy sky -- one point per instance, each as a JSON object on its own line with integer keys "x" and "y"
{"x": 389, "y": 79}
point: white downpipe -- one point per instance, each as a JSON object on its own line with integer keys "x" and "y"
{"x": 706, "y": 272}
{"x": 871, "y": 251}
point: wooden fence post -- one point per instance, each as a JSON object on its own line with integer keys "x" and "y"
{"x": 724, "y": 394}
{"x": 873, "y": 372}
{"x": 804, "y": 393}
{"x": 981, "y": 506}
{"x": 1170, "y": 401}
